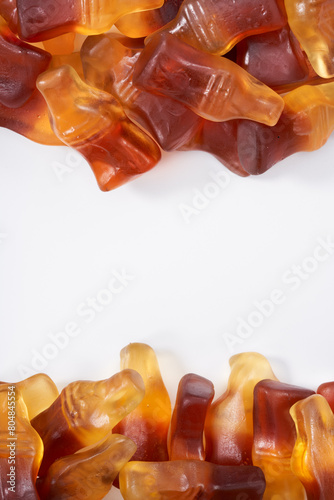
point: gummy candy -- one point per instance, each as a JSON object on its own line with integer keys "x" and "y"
{"x": 73, "y": 60}
{"x": 141, "y": 24}
{"x": 186, "y": 435}
{"x": 219, "y": 139}
{"x": 22, "y": 108}
{"x": 88, "y": 473}
{"x": 174, "y": 91}
{"x": 305, "y": 125}
{"x": 44, "y": 19}
{"x": 38, "y": 393}
{"x": 249, "y": 424}
{"x": 275, "y": 58}
{"x": 61, "y": 45}
{"x": 190, "y": 480}
{"x": 21, "y": 448}
{"x": 313, "y": 454}
{"x": 30, "y": 120}
{"x": 85, "y": 412}
{"x": 94, "y": 123}
{"x": 148, "y": 424}
{"x": 213, "y": 87}
{"x": 274, "y": 437}
{"x": 8, "y": 11}
{"x": 215, "y": 26}
{"x": 109, "y": 65}
{"x": 327, "y": 391}
{"x": 229, "y": 422}
{"x": 313, "y": 25}
{"x": 20, "y": 66}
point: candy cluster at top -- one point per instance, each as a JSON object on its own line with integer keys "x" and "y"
{"x": 249, "y": 82}
{"x": 261, "y": 439}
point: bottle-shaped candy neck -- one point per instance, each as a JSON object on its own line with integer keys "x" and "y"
{"x": 78, "y": 112}
{"x": 98, "y": 16}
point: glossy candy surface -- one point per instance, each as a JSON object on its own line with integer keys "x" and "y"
{"x": 22, "y": 108}
{"x": 274, "y": 437}
{"x": 20, "y": 65}
{"x": 275, "y": 58}
{"x": 144, "y": 23}
{"x": 249, "y": 424}
{"x": 44, "y": 19}
{"x": 73, "y": 60}
{"x": 214, "y": 87}
{"x": 305, "y": 125}
{"x": 172, "y": 89}
{"x": 327, "y": 391}
{"x": 190, "y": 480}
{"x": 229, "y": 423}
{"x": 109, "y": 65}
{"x": 88, "y": 473}
{"x": 220, "y": 140}
{"x": 21, "y": 448}
{"x": 85, "y": 412}
{"x": 38, "y": 392}
{"x": 313, "y": 455}
{"x": 148, "y": 424}
{"x": 313, "y": 25}
{"x": 8, "y": 11}
{"x": 215, "y": 26}
{"x": 94, "y": 123}
{"x": 186, "y": 436}
{"x": 61, "y": 45}
{"x": 30, "y": 120}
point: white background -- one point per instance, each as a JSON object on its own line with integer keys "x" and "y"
{"x": 61, "y": 239}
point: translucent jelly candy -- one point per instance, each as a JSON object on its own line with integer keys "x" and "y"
{"x": 214, "y": 87}
{"x": 313, "y": 455}
{"x": 327, "y": 391}
{"x": 61, "y": 45}
{"x": 8, "y": 11}
{"x": 190, "y": 480}
{"x": 88, "y": 473}
{"x": 305, "y": 125}
{"x": 313, "y": 25}
{"x": 21, "y": 448}
{"x": 274, "y": 437}
{"x": 109, "y": 65}
{"x": 22, "y": 108}
{"x": 20, "y": 66}
{"x": 220, "y": 140}
{"x": 215, "y": 26}
{"x": 229, "y": 423}
{"x": 73, "y": 60}
{"x": 94, "y": 123}
{"x": 186, "y": 435}
{"x": 85, "y": 412}
{"x": 148, "y": 424}
{"x": 43, "y": 19}
{"x": 30, "y": 120}
{"x": 38, "y": 392}
{"x": 142, "y": 24}
{"x": 275, "y": 58}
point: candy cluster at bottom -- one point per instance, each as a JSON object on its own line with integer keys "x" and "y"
{"x": 261, "y": 439}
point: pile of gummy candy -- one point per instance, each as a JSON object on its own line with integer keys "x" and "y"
{"x": 262, "y": 439}
{"x": 248, "y": 81}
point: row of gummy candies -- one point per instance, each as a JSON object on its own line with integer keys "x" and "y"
{"x": 125, "y": 96}
{"x": 261, "y": 439}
